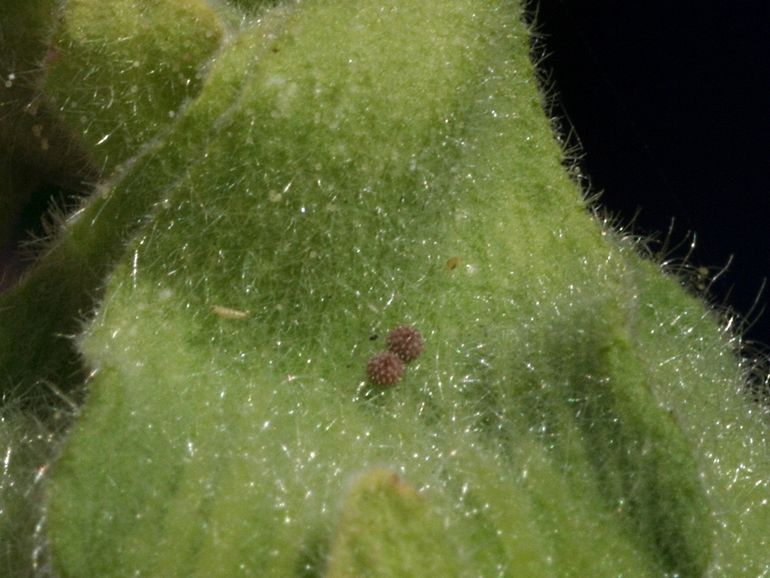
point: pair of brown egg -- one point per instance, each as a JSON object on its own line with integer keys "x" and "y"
{"x": 405, "y": 344}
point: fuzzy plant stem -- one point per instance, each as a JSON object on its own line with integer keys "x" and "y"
{"x": 289, "y": 195}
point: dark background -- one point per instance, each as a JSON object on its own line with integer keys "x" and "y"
{"x": 670, "y": 102}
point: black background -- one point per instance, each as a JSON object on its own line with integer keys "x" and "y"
{"x": 670, "y": 102}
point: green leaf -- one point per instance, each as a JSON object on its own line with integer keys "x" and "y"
{"x": 118, "y": 72}
{"x": 344, "y": 168}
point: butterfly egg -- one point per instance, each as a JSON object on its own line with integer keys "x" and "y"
{"x": 406, "y": 342}
{"x": 385, "y": 369}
